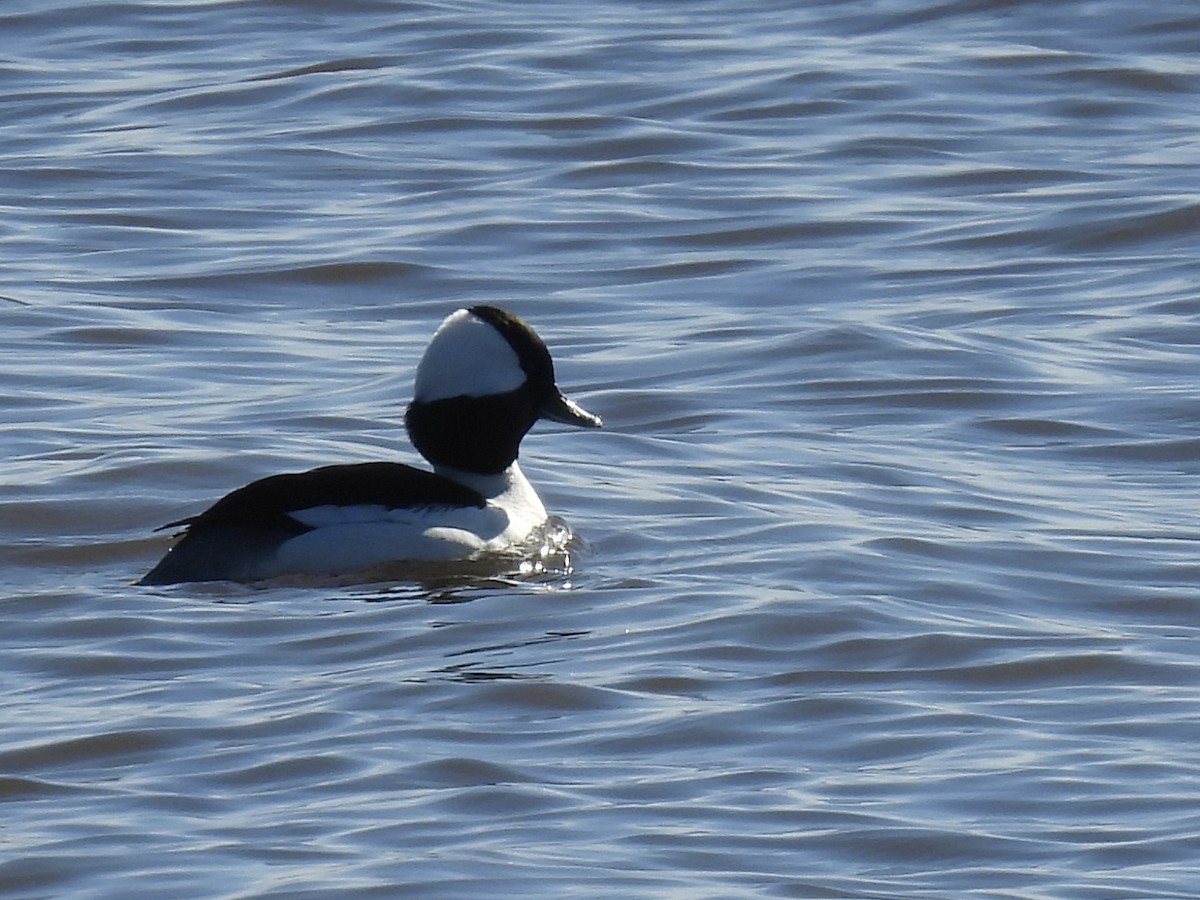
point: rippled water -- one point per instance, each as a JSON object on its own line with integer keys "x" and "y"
{"x": 889, "y": 578}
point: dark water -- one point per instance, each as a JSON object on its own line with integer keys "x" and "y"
{"x": 889, "y": 579}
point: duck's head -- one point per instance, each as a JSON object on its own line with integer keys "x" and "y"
{"x": 483, "y": 381}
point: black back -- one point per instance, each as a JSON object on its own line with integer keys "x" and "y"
{"x": 266, "y": 503}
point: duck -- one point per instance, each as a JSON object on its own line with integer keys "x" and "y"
{"x": 484, "y": 380}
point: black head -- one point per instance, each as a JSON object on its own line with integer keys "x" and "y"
{"x": 483, "y": 381}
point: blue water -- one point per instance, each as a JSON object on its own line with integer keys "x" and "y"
{"x": 887, "y": 582}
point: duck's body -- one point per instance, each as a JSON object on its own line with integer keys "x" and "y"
{"x": 484, "y": 380}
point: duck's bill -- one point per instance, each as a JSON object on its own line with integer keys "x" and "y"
{"x": 560, "y": 409}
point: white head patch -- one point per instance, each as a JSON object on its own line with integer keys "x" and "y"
{"x": 467, "y": 356}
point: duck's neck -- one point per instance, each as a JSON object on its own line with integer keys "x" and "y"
{"x": 471, "y": 434}
{"x": 509, "y": 484}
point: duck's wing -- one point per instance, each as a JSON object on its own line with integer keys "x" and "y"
{"x": 269, "y": 501}
{"x": 230, "y": 539}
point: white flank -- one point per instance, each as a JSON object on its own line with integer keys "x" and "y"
{"x": 350, "y": 538}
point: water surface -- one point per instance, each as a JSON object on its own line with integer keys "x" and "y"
{"x": 887, "y": 580}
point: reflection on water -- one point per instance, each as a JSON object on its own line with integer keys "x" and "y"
{"x": 884, "y": 574}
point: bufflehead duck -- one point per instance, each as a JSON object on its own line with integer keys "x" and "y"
{"x": 483, "y": 381}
